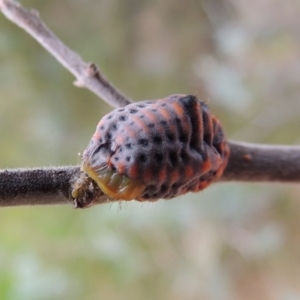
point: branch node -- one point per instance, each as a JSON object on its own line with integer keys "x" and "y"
{"x": 86, "y": 193}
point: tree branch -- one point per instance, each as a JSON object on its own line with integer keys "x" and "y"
{"x": 36, "y": 186}
{"x": 87, "y": 75}
{"x": 41, "y": 186}
{"x": 262, "y": 163}
{"x": 247, "y": 162}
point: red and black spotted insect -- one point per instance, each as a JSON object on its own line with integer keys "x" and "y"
{"x": 156, "y": 149}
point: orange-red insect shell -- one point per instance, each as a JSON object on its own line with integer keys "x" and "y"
{"x": 156, "y": 149}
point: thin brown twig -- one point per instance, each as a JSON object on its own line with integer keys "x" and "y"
{"x": 87, "y": 74}
{"x": 247, "y": 162}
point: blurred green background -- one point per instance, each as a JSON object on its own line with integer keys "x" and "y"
{"x": 232, "y": 241}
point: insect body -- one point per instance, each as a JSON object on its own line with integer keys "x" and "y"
{"x": 156, "y": 149}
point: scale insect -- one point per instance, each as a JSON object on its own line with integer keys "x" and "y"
{"x": 156, "y": 149}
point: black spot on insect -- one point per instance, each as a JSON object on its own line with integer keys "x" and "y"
{"x": 175, "y": 187}
{"x": 184, "y": 156}
{"x": 122, "y": 118}
{"x": 142, "y": 158}
{"x": 154, "y": 109}
{"x": 108, "y": 136}
{"x": 173, "y": 158}
{"x": 100, "y": 140}
{"x": 141, "y": 105}
{"x": 143, "y": 142}
{"x": 158, "y": 157}
{"x": 183, "y": 137}
{"x": 151, "y": 125}
{"x": 116, "y": 158}
{"x": 128, "y": 146}
{"x": 114, "y": 126}
{"x": 121, "y": 109}
{"x": 155, "y": 195}
{"x": 142, "y": 116}
{"x": 109, "y": 117}
{"x": 128, "y": 158}
{"x": 151, "y": 188}
{"x": 163, "y": 188}
{"x": 163, "y": 104}
{"x": 170, "y": 137}
{"x": 157, "y": 139}
{"x": 163, "y": 122}
{"x": 133, "y": 111}
{"x": 102, "y": 127}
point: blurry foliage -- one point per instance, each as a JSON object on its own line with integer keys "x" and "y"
{"x": 232, "y": 241}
